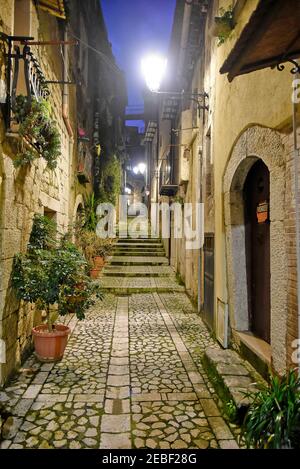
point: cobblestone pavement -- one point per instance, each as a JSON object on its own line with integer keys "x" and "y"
{"x": 131, "y": 377}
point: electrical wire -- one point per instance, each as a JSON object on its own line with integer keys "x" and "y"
{"x": 105, "y": 59}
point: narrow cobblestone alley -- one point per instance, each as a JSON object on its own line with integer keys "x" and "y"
{"x": 131, "y": 376}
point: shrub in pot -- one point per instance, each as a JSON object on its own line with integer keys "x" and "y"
{"x": 95, "y": 250}
{"x": 273, "y": 418}
{"x": 48, "y": 274}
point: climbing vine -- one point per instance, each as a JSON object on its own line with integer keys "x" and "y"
{"x": 110, "y": 186}
{"x": 36, "y": 125}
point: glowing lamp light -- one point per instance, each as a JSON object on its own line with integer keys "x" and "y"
{"x": 127, "y": 190}
{"x": 153, "y": 69}
{"x": 142, "y": 168}
{"x": 135, "y": 169}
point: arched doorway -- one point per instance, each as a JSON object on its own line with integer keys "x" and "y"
{"x": 262, "y": 147}
{"x": 257, "y": 237}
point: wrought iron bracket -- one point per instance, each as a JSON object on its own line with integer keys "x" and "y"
{"x": 199, "y": 98}
{"x": 296, "y": 66}
{"x": 36, "y": 85}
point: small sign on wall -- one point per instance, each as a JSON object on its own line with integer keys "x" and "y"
{"x": 262, "y": 212}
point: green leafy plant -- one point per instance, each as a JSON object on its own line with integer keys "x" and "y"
{"x": 230, "y": 411}
{"x": 36, "y": 125}
{"x": 48, "y": 273}
{"x": 90, "y": 217}
{"x": 273, "y": 418}
{"x": 110, "y": 187}
{"x": 92, "y": 245}
{"x": 43, "y": 233}
{"x": 224, "y": 24}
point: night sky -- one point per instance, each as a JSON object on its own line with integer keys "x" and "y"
{"x": 136, "y": 27}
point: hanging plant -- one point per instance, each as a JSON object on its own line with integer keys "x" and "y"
{"x": 224, "y": 24}
{"x": 36, "y": 125}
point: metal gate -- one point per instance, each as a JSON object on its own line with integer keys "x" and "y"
{"x": 208, "y": 303}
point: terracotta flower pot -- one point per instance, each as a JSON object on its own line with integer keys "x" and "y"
{"x": 98, "y": 262}
{"x": 50, "y": 346}
{"x": 94, "y": 273}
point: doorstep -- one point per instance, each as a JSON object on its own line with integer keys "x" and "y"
{"x": 233, "y": 379}
{"x": 255, "y": 350}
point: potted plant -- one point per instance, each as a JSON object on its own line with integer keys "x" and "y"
{"x": 273, "y": 418}
{"x": 36, "y": 126}
{"x": 224, "y": 24}
{"x": 95, "y": 250}
{"x": 48, "y": 274}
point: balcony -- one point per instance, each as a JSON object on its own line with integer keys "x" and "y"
{"x": 24, "y": 76}
{"x": 167, "y": 186}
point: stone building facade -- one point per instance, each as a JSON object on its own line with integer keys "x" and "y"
{"x": 75, "y": 75}
{"x": 245, "y": 277}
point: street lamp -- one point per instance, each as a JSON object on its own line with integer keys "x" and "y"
{"x": 154, "y": 68}
{"x": 139, "y": 169}
{"x": 142, "y": 168}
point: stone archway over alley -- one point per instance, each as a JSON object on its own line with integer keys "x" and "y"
{"x": 132, "y": 375}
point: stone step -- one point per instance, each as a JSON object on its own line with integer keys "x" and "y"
{"x": 138, "y": 260}
{"x": 139, "y": 245}
{"x": 121, "y": 285}
{"x": 138, "y": 253}
{"x": 140, "y": 240}
{"x": 138, "y": 270}
{"x": 118, "y": 273}
{"x": 233, "y": 378}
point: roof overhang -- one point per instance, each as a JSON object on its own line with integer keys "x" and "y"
{"x": 54, "y": 7}
{"x": 271, "y": 37}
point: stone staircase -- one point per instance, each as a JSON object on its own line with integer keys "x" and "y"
{"x": 139, "y": 266}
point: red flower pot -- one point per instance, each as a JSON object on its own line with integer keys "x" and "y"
{"x": 50, "y": 346}
{"x": 94, "y": 273}
{"x": 98, "y": 262}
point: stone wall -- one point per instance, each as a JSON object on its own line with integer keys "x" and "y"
{"x": 30, "y": 190}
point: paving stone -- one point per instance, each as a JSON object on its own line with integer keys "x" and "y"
{"x": 228, "y": 444}
{"x": 181, "y": 396}
{"x": 201, "y": 444}
{"x": 115, "y": 423}
{"x": 32, "y": 391}
{"x": 113, "y": 380}
{"x": 60, "y": 444}
{"x": 115, "y": 441}
{"x": 118, "y": 392}
{"x": 220, "y": 428}
{"x": 10, "y": 427}
{"x": 179, "y": 444}
{"x": 118, "y": 370}
{"x": 88, "y": 398}
{"x": 210, "y": 408}
{"x": 146, "y": 397}
{"x": 40, "y": 377}
{"x": 23, "y": 407}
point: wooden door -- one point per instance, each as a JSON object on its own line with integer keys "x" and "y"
{"x": 257, "y": 225}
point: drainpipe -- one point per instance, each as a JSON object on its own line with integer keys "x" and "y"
{"x": 65, "y": 110}
{"x": 200, "y": 257}
{"x": 297, "y": 208}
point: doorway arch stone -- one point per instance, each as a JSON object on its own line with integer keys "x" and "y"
{"x": 255, "y": 143}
